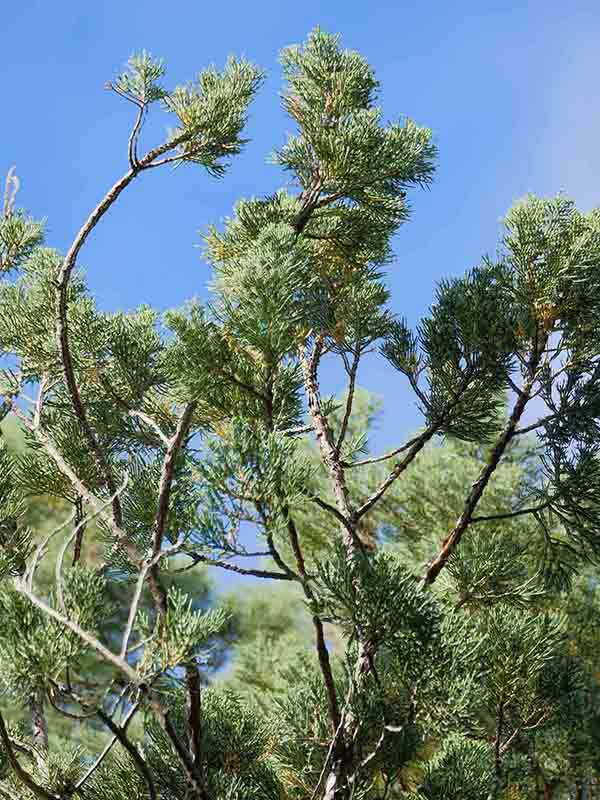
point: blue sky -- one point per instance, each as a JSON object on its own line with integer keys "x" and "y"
{"x": 510, "y": 90}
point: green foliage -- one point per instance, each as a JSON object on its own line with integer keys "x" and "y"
{"x": 140, "y": 79}
{"x": 330, "y": 95}
{"x": 19, "y": 233}
{"x": 462, "y": 769}
{"x": 36, "y": 648}
{"x": 435, "y": 636}
{"x": 389, "y": 608}
{"x": 183, "y": 630}
{"x": 211, "y": 113}
{"x": 236, "y": 746}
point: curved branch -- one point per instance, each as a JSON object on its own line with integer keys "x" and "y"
{"x": 132, "y": 145}
{"x": 62, "y": 331}
{"x": 22, "y": 774}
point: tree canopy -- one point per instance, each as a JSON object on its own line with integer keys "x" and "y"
{"x": 432, "y": 634}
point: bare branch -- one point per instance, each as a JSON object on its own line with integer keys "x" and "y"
{"x": 349, "y": 403}
{"x": 164, "y": 496}
{"x": 511, "y": 514}
{"x": 321, "y": 646}
{"x": 418, "y": 444}
{"x": 194, "y": 721}
{"x": 146, "y": 567}
{"x": 327, "y": 507}
{"x": 132, "y": 145}
{"x": 298, "y": 431}
{"x": 81, "y": 523}
{"x": 197, "y": 558}
{"x": 167, "y": 473}
{"x": 533, "y": 426}
{"x": 378, "y": 459}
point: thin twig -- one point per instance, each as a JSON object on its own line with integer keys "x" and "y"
{"x": 132, "y": 144}
{"x": 377, "y": 459}
{"x": 510, "y": 514}
{"x": 418, "y": 444}
{"x": 327, "y": 507}
{"x": 146, "y": 567}
{"x": 197, "y": 558}
{"x": 533, "y": 426}
{"x": 349, "y": 403}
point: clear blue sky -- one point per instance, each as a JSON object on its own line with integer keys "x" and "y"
{"x": 510, "y": 90}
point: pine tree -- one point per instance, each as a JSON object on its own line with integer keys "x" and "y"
{"x": 168, "y": 436}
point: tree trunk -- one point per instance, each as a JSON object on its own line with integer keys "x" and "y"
{"x": 38, "y": 721}
{"x": 549, "y": 789}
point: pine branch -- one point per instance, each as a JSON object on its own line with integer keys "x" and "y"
{"x": 119, "y": 733}
{"x": 62, "y": 293}
{"x": 121, "y": 537}
{"x": 378, "y": 459}
{"x": 321, "y": 646}
{"x": 109, "y": 746}
{"x": 194, "y": 777}
{"x": 164, "y": 495}
{"x": 415, "y": 448}
{"x": 197, "y": 558}
{"x": 22, "y": 774}
{"x": 86, "y": 637}
{"x": 80, "y": 526}
{"x": 349, "y": 403}
{"x": 133, "y": 139}
{"x": 327, "y": 507}
{"x": 134, "y": 412}
{"x": 511, "y": 514}
{"x": 327, "y": 449}
{"x": 453, "y": 539}
{"x": 294, "y": 540}
{"x": 534, "y": 425}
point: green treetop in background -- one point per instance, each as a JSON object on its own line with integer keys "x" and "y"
{"x": 456, "y": 671}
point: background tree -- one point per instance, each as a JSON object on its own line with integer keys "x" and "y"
{"x": 456, "y": 672}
